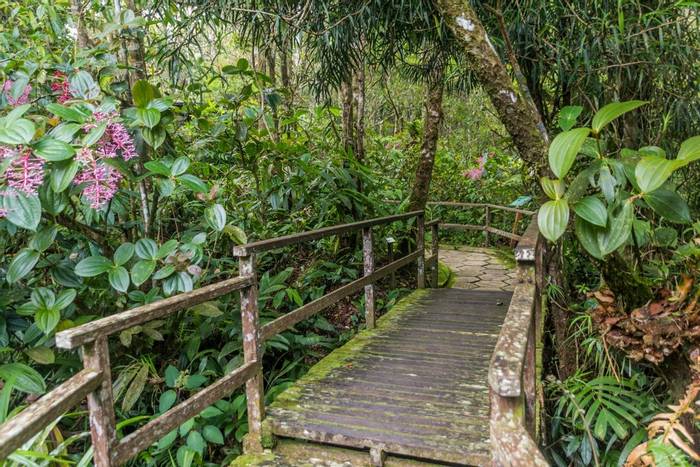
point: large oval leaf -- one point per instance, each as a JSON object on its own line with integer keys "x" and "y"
{"x": 216, "y": 217}
{"x": 552, "y": 219}
{"x": 119, "y": 279}
{"x": 690, "y": 150}
{"x": 564, "y": 148}
{"x": 22, "y": 210}
{"x": 63, "y": 174}
{"x": 53, "y": 150}
{"x": 22, "y": 264}
{"x": 611, "y": 111}
{"x": 593, "y": 210}
{"x": 669, "y": 204}
{"x": 652, "y": 172}
{"x": 93, "y": 266}
{"x": 19, "y": 132}
{"x": 23, "y": 378}
{"x": 618, "y": 231}
{"x": 587, "y": 235}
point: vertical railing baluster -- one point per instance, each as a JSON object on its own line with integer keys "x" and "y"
{"x": 252, "y": 352}
{"x": 487, "y": 224}
{"x": 368, "y": 255}
{"x": 101, "y": 402}
{"x": 434, "y": 240}
{"x": 390, "y": 254}
{"x": 420, "y": 247}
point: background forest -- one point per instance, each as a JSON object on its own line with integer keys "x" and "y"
{"x": 140, "y": 140}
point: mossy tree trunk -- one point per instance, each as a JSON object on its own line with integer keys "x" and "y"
{"x": 431, "y": 132}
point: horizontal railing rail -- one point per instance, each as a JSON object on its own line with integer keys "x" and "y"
{"x": 94, "y": 382}
{"x": 514, "y": 367}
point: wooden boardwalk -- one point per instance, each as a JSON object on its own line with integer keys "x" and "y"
{"x": 414, "y": 386}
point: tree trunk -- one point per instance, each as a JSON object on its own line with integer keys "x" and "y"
{"x": 348, "y": 119}
{"x": 431, "y": 132}
{"x": 517, "y": 115}
{"x": 523, "y": 122}
{"x": 82, "y": 39}
{"x": 358, "y": 93}
{"x": 135, "y": 51}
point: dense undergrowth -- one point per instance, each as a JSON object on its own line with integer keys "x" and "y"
{"x": 120, "y": 188}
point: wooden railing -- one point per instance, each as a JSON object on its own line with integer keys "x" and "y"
{"x": 95, "y": 381}
{"x": 514, "y": 371}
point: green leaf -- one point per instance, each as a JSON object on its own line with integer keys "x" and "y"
{"x": 552, "y": 219}
{"x": 53, "y": 150}
{"x": 216, "y": 217}
{"x": 15, "y": 114}
{"x": 153, "y": 136}
{"x": 568, "y": 116}
{"x": 690, "y": 150}
{"x": 180, "y": 166}
{"x": 171, "y": 376}
{"x": 161, "y": 104}
{"x": 63, "y": 174}
{"x": 20, "y": 132}
{"x": 146, "y": 249}
{"x": 123, "y": 253}
{"x": 119, "y": 279}
{"x": 669, "y": 204}
{"x": 93, "y": 266}
{"x": 236, "y": 234}
{"x": 593, "y": 210}
{"x": 652, "y": 172}
{"x": 158, "y": 167}
{"x": 23, "y": 378}
{"x": 143, "y": 92}
{"x": 43, "y": 239}
{"x": 587, "y": 235}
{"x": 141, "y": 271}
{"x": 65, "y": 131}
{"x": 67, "y": 113}
{"x": 167, "y": 440}
{"x": 42, "y": 355}
{"x": 552, "y": 188}
{"x": 22, "y": 264}
{"x": 193, "y": 183}
{"x": 611, "y": 111}
{"x": 564, "y": 148}
{"x": 95, "y": 134}
{"x": 618, "y": 231}
{"x": 149, "y": 117}
{"x": 196, "y": 442}
{"x": 164, "y": 272}
{"x": 82, "y": 85}
{"x": 213, "y": 434}
{"x": 166, "y": 248}
{"x": 167, "y": 400}
{"x": 64, "y": 299}
{"x": 22, "y": 210}
{"x": 46, "y": 319}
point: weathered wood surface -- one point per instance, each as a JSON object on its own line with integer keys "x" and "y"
{"x": 79, "y": 335}
{"x": 34, "y": 418}
{"x": 416, "y": 385}
{"x": 152, "y": 431}
{"x": 279, "y": 242}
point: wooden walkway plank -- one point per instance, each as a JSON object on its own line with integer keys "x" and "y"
{"x": 416, "y": 385}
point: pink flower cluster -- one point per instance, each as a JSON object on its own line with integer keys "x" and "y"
{"x": 25, "y": 172}
{"x": 477, "y": 172}
{"x": 22, "y": 99}
{"x": 62, "y": 86}
{"x": 100, "y": 179}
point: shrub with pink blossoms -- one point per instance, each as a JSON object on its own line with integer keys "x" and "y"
{"x": 25, "y": 172}
{"x": 22, "y": 99}
{"x": 476, "y": 173}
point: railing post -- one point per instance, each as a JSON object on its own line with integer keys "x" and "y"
{"x": 252, "y": 352}
{"x": 420, "y": 247}
{"x": 390, "y": 253}
{"x": 434, "y": 240}
{"x": 487, "y": 224}
{"x": 368, "y": 255}
{"x": 101, "y": 402}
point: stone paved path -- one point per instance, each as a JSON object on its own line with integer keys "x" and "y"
{"x": 477, "y": 268}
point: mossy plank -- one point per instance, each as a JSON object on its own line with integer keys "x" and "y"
{"x": 416, "y": 385}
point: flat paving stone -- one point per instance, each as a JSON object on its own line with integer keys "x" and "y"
{"x": 478, "y": 268}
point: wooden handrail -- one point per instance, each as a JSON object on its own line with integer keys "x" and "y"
{"x": 513, "y": 374}
{"x": 80, "y": 335}
{"x": 22, "y": 427}
{"x": 279, "y": 242}
{"x": 456, "y": 204}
